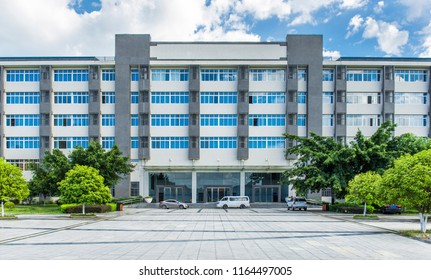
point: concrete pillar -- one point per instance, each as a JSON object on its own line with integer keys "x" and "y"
{"x": 194, "y": 186}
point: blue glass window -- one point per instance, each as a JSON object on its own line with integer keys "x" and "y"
{"x": 302, "y": 97}
{"x": 134, "y": 97}
{"x": 70, "y": 142}
{"x": 108, "y": 97}
{"x": 219, "y": 97}
{"x": 108, "y": 142}
{"x": 67, "y": 75}
{"x": 135, "y": 142}
{"x": 267, "y": 120}
{"x": 160, "y": 142}
{"x": 267, "y": 97}
{"x": 22, "y": 120}
{"x": 267, "y": 75}
{"x": 22, "y": 75}
{"x": 108, "y": 74}
{"x": 175, "y": 97}
{"x": 169, "y": 120}
{"x": 328, "y": 97}
{"x": 22, "y": 142}
{"x": 108, "y": 120}
{"x": 71, "y": 97}
{"x": 71, "y": 120}
{"x": 411, "y": 75}
{"x": 135, "y": 120}
{"x": 167, "y": 75}
{"x": 222, "y": 75}
{"x": 134, "y": 75}
{"x": 302, "y": 120}
{"x": 267, "y": 142}
{"x": 22, "y": 97}
{"x": 218, "y": 142}
{"x": 363, "y": 75}
{"x": 328, "y": 75}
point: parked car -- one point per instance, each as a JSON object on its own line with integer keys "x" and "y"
{"x": 297, "y": 203}
{"x": 391, "y": 209}
{"x": 234, "y": 201}
{"x": 172, "y": 203}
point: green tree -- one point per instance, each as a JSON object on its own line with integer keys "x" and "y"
{"x": 84, "y": 185}
{"x": 325, "y": 163}
{"x": 48, "y": 173}
{"x": 408, "y": 183}
{"x": 365, "y": 188}
{"x": 12, "y": 183}
{"x": 112, "y": 165}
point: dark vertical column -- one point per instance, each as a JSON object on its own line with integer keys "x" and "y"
{"x": 94, "y": 102}
{"x": 340, "y": 103}
{"x": 2, "y": 97}
{"x": 194, "y": 112}
{"x": 292, "y": 99}
{"x": 306, "y": 51}
{"x": 130, "y": 50}
{"x": 45, "y": 107}
{"x": 144, "y": 111}
{"x": 387, "y": 97}
{"x": 243, "y": 112}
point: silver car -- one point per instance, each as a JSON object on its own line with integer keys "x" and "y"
{"x": 297, "y": 203}
{"x": 172, "y": 203}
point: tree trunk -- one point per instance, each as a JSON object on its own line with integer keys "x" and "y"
{"x": 2, "y": 209}
{"x": 423, "y": 218}
{"x": 365, "y": 208}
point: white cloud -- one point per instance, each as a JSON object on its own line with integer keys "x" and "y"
{"x": 416, "y": 8}
{"x": 353, "y": 4}
{"x": 426, "y": 45}
{"x": 389, "y": 38}
{"x": 378, "y": 8}
{"x": 355, "y": 23}
{"x": 332, "y": 55}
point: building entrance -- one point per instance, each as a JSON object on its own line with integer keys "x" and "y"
{"x": 266, "y": 193}
{"x": 215, "y": 193}
{"x": 170, "y": 192}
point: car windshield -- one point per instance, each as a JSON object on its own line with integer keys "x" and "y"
{"x": 300, "y": 199}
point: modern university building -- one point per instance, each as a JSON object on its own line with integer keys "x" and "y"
{"x": 201, "y": 120}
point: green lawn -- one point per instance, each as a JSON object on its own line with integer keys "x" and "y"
{"x": 33, "y": 209}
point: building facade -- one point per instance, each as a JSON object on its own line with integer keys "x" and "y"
{"x": 201, "y": 120}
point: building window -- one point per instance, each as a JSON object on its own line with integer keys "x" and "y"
{"x": 363, "y": 120}
{"x": 267, "y": 97}
{"x": 328, "y": 120}
{"x": 267, "y": 120}
{"x": 167, "y": 75}
{"x": 266, "y": 142}
{"x": 134, "y": 97}
{"x": 108, "y": 142}
{"x": 363, "y": 75}
{"x": 68, "y": 75}
{"x": 169, "y": 142}
{"x": 302, "y": 120}
{"x": 135, "y": 142}
{"x": 169, "y": 120}
{"x": 328, "y": 97}
{"x": 411, "y": 120}
{"x": 302, "y": 97}
{"x": 415, "y": 98}
{"x": 22, "y": 75}
{"x": 108, "y": 74}
{"x": 363, "y": 98}
{"x": 108, "y": 97}
{"x": 134, "y": 188}
{"x": 71, "y": 120}
{"x": 170, "y": 97}
{"x": 267, "y": 75}
{"x": 218, "y": 120}
{"x": 22, "y": 142}
{"x": 22, "y": 120}
{"x": 219, "y": 75}
{"x": 23, "y": 164}
{"x": 328, "y": 75}
{"x": 108, "y": 120}
{"x": 135, "y": 120}
{"x": 218, "y": 142}
{"x": 411, "y": 75}
{"x": 70, "y": 142}
{"x": 22, "y": 97}
{"x": 219, "y": 97}
{"x": 71, "y": 97}
{"x": 302, "y": 74}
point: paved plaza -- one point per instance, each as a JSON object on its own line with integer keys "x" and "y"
{"x": 210, "y": 234}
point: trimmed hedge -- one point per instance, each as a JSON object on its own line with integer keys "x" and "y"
{"x": 348, "y": 207}
{"x": 77, "y": 208}
{"x": 9, "y": 205}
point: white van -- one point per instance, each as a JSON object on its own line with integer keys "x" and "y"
{"x": 234, "y": 201}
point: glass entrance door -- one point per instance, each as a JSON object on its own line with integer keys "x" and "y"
{"x": 266, "y": 194}
{"x": 214, "y": 194}
{"x": 170, "y": 192}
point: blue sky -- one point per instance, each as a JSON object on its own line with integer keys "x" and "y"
{"x": 88, "y": 27}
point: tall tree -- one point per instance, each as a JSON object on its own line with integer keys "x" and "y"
{"x": 112, "y": 165}
{"x": 408, "y": 183}
{"x": 365, "y": 188}
{"x": 12, "y": 183}
{"x": 325, "y": 163}
{"x": 48, "y": 173}
{"x": 84, "y": 185}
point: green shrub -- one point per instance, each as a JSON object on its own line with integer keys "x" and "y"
{"x": 9, "y": 205}
{"x": 89, "y": 209}
{"x": 350, "y": 207}
{"x": 64, "y": 207}
{"x": 113, "y": 206}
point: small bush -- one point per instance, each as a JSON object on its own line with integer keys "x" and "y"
{"x": 9, "y": 205}
{"x": 113, "y": 206}
{"x": 350, "y": 207}
{"x": 88, "y": 209}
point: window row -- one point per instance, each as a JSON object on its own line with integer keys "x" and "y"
{"x": 75, "y": 97}
{"x": 22, "y": 75}
{"x": 267, "y": 98}
{"x": 71, "y": 120}
{"x": 169, "y": 120}
{"x": 267, "y": 120}
{"x": 220, "y": 75}
{"x": 174, "y": 97}
{"x": 218, "y": 120}
{"x": 372, "y": 75}
{"x": 411, "y": 75}
{"x": 23, "y": 164}
{"x": 71, "y": 75}
{"x": 219, "y": 97}
{"x": 22, "y": 120}
{"x": 267, "y": 75}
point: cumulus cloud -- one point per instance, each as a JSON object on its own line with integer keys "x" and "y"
{"x": 389, "y": 38}
{"x": 332, "y": 55}
{"x": 416, "y": 8}
{"x": 378, "y": 8}
{"x": 354, "y": 25}
{"x": 426, "y": 45}
{"x": 353, "y": 4}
